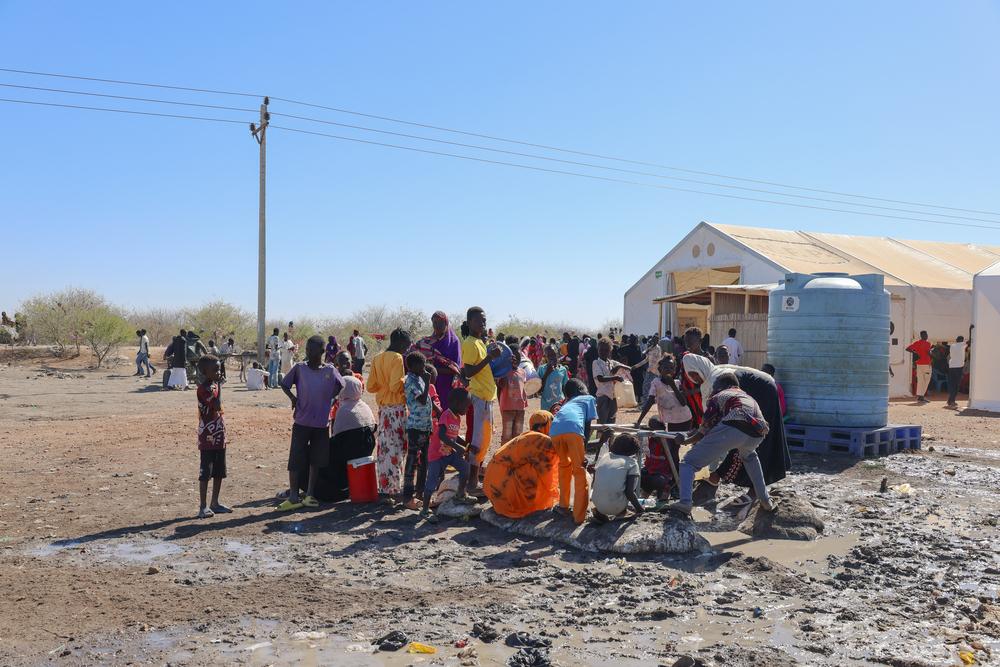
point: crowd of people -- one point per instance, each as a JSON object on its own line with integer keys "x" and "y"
{"x": 437, "y": 400}
{"x": 942, "y": 363}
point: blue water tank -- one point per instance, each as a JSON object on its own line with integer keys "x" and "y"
{"x": 828, "y": 339}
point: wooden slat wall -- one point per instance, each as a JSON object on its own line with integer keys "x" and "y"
{"x": 751, "y": 331}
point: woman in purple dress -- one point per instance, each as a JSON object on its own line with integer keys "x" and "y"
{"x": 445, "y": 350}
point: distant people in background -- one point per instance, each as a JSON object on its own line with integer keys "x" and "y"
{"x": 589, "y": 358}
{"x": 142, "y": 357}
{"x": 956, "y": 369}
{"x": 227, "y": 350}
{"x": 359, "y": 350}
{"x": 769, "y": 369}
{"x": 291, "y": 331}
{"x": 631, "y": 356}
{"x": 213, "y": 349}
{"x": 734, "y": 347}
{"x": 332, "y": 348}
{"x": 273, "y": 353}
{"x": 176, "y": 352}
{"x": 573, "y": 354}
{"x": 287, "y": 352}
{"x": 921, "y": 350}
{"x": 667, "y": 343}
{"x": 257, "y": 378}
{"x": 939, "y": 365}
{"x": 722, "y": 356}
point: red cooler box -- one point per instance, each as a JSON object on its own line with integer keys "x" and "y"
{"x": 361, "y": 479}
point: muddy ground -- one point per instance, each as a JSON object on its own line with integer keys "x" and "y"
{"x": 103, "y": 562}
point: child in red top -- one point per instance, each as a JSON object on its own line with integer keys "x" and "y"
{"x": 657, "y": 475}
{"x": 447, "y": 448}
{"x": 513, "y": 400}
{"x": 211, "y": 437}
{"x": 343, "y": 363}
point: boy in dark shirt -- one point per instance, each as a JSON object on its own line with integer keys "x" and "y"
{"x": 211, "y": 437}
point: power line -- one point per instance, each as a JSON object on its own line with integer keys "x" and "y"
{"x": 126, "y": 97}
{"x": 592, "y": 165}
{"x": 138, "y": 113}
{"x": 499, "y": 150}
{"x": 500, "y": 162}
{"x": 622, "y": 180}
{"x": 512, "y": 141}
{"x": 128, "y": 83}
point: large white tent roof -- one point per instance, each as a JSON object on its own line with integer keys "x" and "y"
{"x": 936, "y": 264}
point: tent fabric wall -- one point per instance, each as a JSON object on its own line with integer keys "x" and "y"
{"x": 984, "y": 392}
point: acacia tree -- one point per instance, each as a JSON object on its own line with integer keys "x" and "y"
{"x": 104, "y": 330}
{"x": 58, "y": 318}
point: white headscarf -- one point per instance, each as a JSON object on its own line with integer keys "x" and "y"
{"x": 353, "y": 412}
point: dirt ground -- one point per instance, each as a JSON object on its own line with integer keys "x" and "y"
{"x": 103, "y": 561}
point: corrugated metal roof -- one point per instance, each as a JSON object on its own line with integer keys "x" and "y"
{"x": 921, "y": 263}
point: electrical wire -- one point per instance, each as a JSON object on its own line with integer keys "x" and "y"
{"x": 620, "y": 180}
{"x": 128, "y": 111}
{"x": 126, "y": 97}
{"x": 512, "y": 141}
{"x": 635, "y": 172}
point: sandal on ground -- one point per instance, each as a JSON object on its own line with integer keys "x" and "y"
{"x": 281, "y": 495}
{"x": 288, "y": 506}
{"x": 205, "y": 513}
{"x": 740, "y": 501}
{"x": 219, "y": 508}
{"x": 412, "y": 504}
{"x": 309, "y": 501}
{"x": 598, "y": 518}
{"x": 680, "y": 509}
{"x": 429, "y": 517}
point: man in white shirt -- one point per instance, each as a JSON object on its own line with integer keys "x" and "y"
{"x": 605, "y": 370}
{"x": 256, "y": 378}
{"x": 734, "y": 347}
{"x": 358, "y": 352}
{"x": 273, "y": 358}
{"x": 142, "y": 359}
{"x": 956, "y": 368}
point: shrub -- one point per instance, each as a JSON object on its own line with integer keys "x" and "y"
{"x": 104, "y": 330}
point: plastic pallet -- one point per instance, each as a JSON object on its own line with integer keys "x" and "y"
{"x": 855, "y": 442}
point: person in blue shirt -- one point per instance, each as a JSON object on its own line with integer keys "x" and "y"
{"x": 570, "y": 431}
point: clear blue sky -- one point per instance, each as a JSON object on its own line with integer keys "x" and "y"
{"x": 898, "y": 99}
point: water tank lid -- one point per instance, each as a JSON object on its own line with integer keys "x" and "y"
{"x": 836, "y": 281}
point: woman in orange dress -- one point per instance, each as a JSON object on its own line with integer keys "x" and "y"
{"x": 523, "y": 477}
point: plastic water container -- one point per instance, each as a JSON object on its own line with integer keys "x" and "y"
{"x": 828, "y": 338}
{"x": 361, "y": 480}
{"x": 504, "y": 363}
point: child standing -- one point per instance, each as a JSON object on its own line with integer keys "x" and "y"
{"x": 476, "y": 359}
{"x": 447, "y": 448}
{"x": 554, "y": 378}
{"x": 211, "y": 438}
{"x": 316, "y": 385}
{"x": 513, "y": 400}
{"x": 664, "y": 391}
{"x": 604, "y": 371}
{"x": 386, "y": 381}
{"x": 419, "y": 422}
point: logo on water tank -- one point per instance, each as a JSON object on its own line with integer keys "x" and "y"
{"x": 790, "y": 304}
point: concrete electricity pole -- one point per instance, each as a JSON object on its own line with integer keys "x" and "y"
{"x": 259, "y": 133}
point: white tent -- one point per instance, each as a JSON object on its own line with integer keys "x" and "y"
{"x": 930, "y": 281}
{"x": 984, "y": 392}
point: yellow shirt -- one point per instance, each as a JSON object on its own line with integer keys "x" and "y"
{"x": 482, "y": 384}
{"x": 386, "y": 378}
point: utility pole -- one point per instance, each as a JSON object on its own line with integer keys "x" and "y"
{"x": 259, "y": 133}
